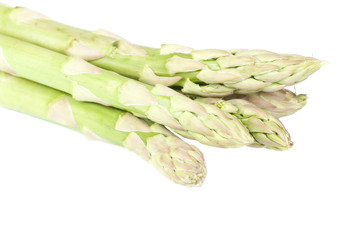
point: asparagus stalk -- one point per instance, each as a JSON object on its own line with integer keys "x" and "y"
{"x": 209, "y": 72}
{"x": 280, "y": 103}
{"x": 86, "y": 82}
{"x": 267, "y": 130}
{"x": 174, "y": 158}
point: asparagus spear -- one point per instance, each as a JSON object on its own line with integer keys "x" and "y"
{"x": 209, "y": 72}
{"x": 178, "y": 161}
{"x": 280, "y": 103}
{"x": 86, "y": 82}
{"x": 267, "y": 130}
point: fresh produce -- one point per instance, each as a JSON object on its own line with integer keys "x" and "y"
{"x": 208, "y": 72}
{"x": 86, "y": 82}
{"x": 267, "y": 130}
{"x": 109, "y": 89}
{"x": 280, "y": 103}
{"x": 177, "y": 160}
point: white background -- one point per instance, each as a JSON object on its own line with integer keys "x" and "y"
{"x": 54, "y": 184}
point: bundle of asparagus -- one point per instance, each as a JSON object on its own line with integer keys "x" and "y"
{"x": 101, "y": 85}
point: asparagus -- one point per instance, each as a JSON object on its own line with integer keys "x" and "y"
{"x": 280, "y": 103}
{"x": 86, "y": 82}
{"x": 267, "y": 130}
{"x": 209, "y": 72}
{"x": 174, "y": 158}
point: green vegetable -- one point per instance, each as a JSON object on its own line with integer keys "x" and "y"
{"x": 178, "y": 161}
{"x": 86, "y": 82}
{"x": 209, "y": 72}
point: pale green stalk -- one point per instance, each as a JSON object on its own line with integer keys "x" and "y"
{"x": 209, "y": 72}
{"x": 174, "y": 158}
{"x": 280, "y": 103}
{"x": 267, "y": 130}
{"x": 86, "y": 82}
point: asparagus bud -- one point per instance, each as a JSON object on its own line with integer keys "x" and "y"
{"x": 267, "y": 130}
{"x": 280, "y": 103}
